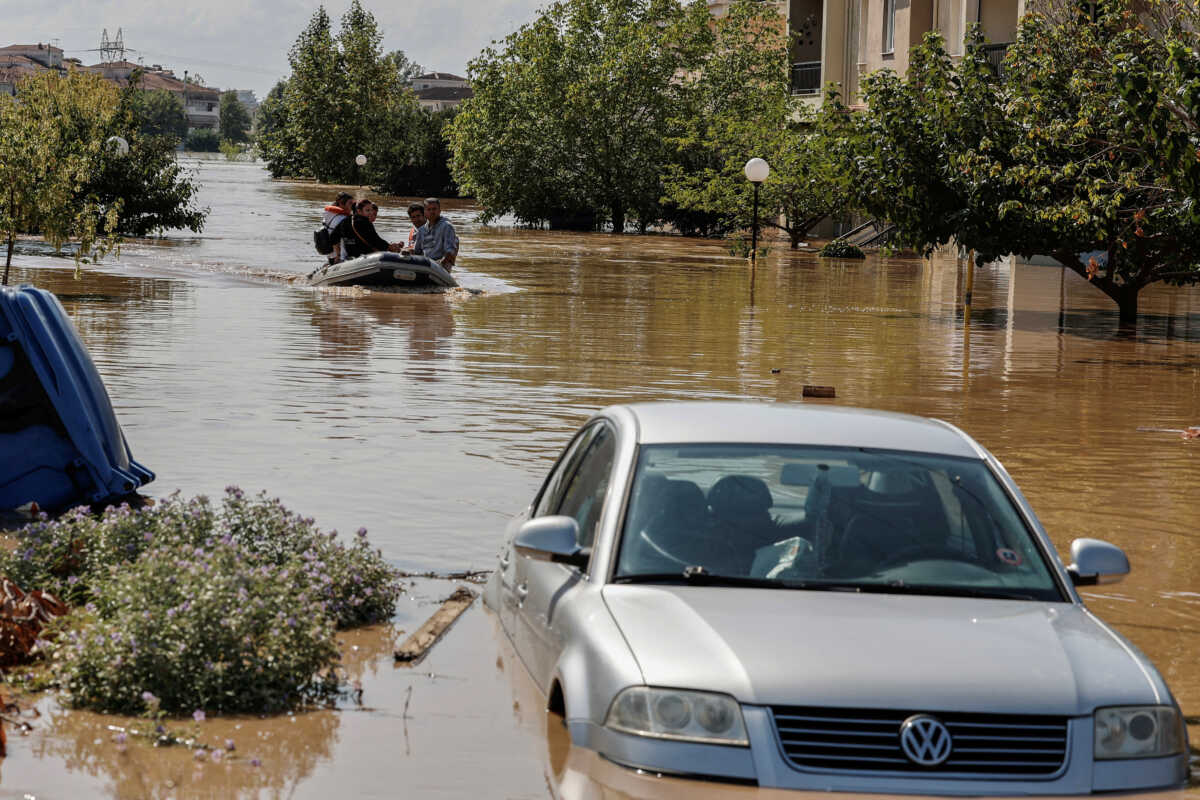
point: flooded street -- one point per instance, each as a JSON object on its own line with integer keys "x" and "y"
{"x": 430, "y": 419}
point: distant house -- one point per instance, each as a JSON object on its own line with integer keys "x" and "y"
{"x": 14, "y": 69}
{"x": 439, "y": 91}
{"x": 48, "y": 56}
{"x": 201, "y": 104}
{"x": 19, "y": 61}
{"x": 246, "y": 97}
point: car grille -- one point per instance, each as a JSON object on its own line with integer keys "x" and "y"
{"x": 855, "y": 740}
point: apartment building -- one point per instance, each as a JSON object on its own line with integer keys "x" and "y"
{"x": 441, "y": 91}
{"x": 840, "y": 41}
{"x": 201, "y": 104}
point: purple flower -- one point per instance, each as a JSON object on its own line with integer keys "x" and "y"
{"x": 254, "y": 762}
{"x": 198, "y": 715}
{"x": 119, "y": 738}
{"x": 74, "y": 579}
{"x": 229, "y": 745}
{"x": 149, "y": 699}
{"x": 362, "y": 533}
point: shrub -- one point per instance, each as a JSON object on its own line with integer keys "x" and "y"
{"x": 840, "y": 249}
{"x": 202, "y": 140}
{"x": 186, "y": 628}
{"x": 167, "y": 586}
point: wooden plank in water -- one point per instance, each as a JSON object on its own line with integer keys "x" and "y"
{"x": 416, "y": 646}
{"x": 818, "y": 391}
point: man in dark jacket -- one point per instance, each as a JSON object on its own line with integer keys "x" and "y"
{"x": 358, "y": 234}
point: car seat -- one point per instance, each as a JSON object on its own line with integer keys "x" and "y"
{"x": 741, "y": 513}
{"x": 896, "y": 511}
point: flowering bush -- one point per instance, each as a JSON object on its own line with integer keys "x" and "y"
{"x": 185, "y": 628}
{"x": 190, "y": 606}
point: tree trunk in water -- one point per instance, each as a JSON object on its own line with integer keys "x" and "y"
{"x": 1127, "y": 304}
{"x": 1124, "y": 295}
{"x": 618, "y": 216}
{"x": 795, "y": 235}
{"x": 8, "y": 260}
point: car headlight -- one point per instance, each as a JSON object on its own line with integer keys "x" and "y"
{"x": 1138, "y": 732}
{"x": 678, "y": 714}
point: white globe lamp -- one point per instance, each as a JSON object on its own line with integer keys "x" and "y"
{"x": 119, "y": 144}
{"x": 757, "y": 171}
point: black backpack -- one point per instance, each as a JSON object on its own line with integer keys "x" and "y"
{"x": 323, "y": 240}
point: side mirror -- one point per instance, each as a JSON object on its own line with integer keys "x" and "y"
{"x": 1096, "y": 562}
{"x": 554, "y": 539}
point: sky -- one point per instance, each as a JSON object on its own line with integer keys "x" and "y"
{"x": 243, "y": 44}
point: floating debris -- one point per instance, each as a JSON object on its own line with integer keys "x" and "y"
{"x": 818, "y": 391}
{"x": 22, "y": 617}
{"x": 1191, "y": 432}
{"x": 416, "y": 646}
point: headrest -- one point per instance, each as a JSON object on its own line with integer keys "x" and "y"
{"x": 892, "y": 482}
{"x": 739, "y": 495}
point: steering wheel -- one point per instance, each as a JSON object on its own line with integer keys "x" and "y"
{"x": 925, "y": 552}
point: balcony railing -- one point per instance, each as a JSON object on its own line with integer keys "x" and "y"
{"x": 806, "y": 77}
{"x": 995, "y": 55}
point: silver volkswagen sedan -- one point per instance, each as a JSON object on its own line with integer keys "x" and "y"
{"x": 823, "y": 598}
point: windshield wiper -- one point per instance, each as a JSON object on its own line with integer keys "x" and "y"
{"x": 899, "y": 587}
{"x": 698, "y": 576}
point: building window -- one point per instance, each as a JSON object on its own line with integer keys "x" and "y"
{"x": 889, "y": 26}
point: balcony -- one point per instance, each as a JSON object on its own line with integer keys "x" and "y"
{"x": 806, "y": 77}
{"x": 995, "y": 55}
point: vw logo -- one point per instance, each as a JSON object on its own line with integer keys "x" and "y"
{"x": 925, "y": 740}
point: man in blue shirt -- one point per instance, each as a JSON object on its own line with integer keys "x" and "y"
{"x": 436, "y": 239}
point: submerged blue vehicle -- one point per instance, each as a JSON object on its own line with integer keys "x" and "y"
{"x": 60, "y": 442}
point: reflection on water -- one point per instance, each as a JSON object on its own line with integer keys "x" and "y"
{"x": 431, "y": 418}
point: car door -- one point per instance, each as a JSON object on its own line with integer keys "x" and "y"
{"x": 543, "y": 586}
{"x": 514, "y": 568}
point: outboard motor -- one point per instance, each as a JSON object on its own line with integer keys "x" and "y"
{"x": 60, "y": 442}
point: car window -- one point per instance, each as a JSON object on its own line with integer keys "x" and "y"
{"x": 550, "y": 496}
{"x": 881, "y": 520}
{"x": 583, "y": 497}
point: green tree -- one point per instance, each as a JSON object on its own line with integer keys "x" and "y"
{"x": 275, "y": 135}
{"x": 407, "y": 69}
{"x": 234, "y": 119}
{"x": 314, "y": 104}
{"x": 737, "y": 106}
{"x": 1049, "y": 158}
{"x": 379, "y": 116}
{"x": 163, "y": 114}
{"x": 570, "y": 112}
{"x": 911, "y": 141}
{"x": 147, "y": 186}
{"x": 53, "y": 142}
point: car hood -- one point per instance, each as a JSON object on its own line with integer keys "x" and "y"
{"x": 838, "y": 649}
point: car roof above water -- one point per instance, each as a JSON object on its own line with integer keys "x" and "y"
{"x": 779, "y": 423}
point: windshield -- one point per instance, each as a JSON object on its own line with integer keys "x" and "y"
{"x": 812, "y": 518}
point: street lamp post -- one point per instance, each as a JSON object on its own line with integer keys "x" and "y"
{"x": 757, "y": 171}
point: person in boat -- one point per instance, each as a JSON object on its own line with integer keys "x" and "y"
{"x": 416, "y": 213}
{"x": 332, "y": 216}
{"x": 358, "y": 234}
{"x": 436, "y": 239}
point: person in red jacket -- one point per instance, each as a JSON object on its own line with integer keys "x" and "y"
{"x": 332, "y": 216}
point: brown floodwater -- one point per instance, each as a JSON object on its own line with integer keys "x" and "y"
{"x": 431, "y": 418}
